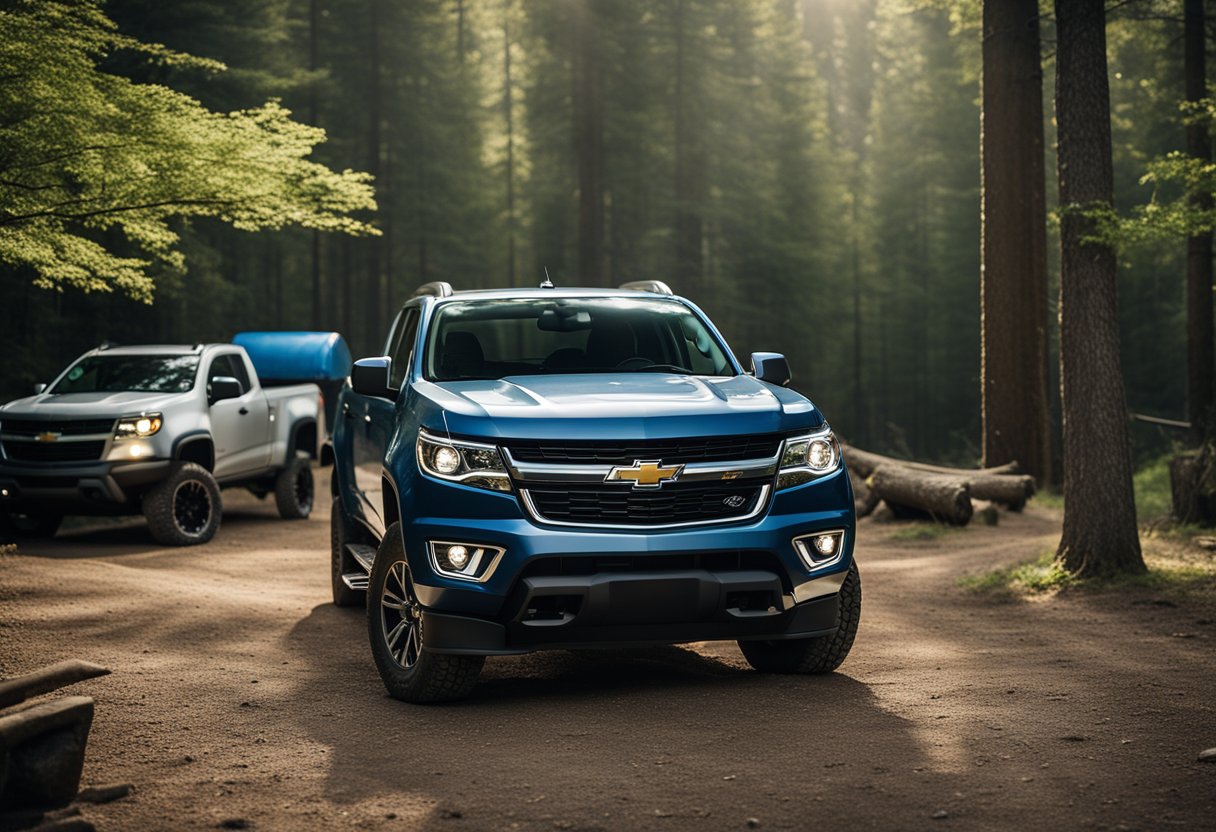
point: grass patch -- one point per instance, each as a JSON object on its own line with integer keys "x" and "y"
{"x": 1049, "y": 499}
{"x": 1175, "y": 567}
{"x": 914, "y": 532}
{"x": 1033, "y": 578}
{"x": 1152, "y": 484}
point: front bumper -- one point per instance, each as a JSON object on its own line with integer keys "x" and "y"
{"x": 77, "y": 488}
{"x": 562, "y": 587}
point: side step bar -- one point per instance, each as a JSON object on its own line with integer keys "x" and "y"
{"x": 363, "y": 555}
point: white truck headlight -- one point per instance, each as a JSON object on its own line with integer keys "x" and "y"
{"x": 139, "y": 426}
{"x": 468, "y": 463}
{"x": 804, "y": 458}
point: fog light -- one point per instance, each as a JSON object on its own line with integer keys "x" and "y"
{"x": 820, "y": 549}
{"x": 458, "y": 556}
{"x": 466, "y": 561}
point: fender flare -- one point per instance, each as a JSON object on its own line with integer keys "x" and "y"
{"x": 195, "y": 436}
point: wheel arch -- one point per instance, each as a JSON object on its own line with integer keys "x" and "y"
{"x": 197, "y": 447}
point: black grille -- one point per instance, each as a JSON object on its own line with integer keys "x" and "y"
{"x": 600, "y": 504}
{"x": 626, "y": 452}
{"x": 54, "y": 451}
{"x": 64, "y": 427}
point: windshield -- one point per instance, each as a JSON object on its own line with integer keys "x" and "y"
{"x": 531, "y": 336}
{"x": 129, "y": 373}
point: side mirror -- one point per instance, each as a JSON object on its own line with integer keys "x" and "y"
{"x": 771, "y": 367}
{"x": 370, "y": 377}
{"x": 225, "y": 387}
{"x": 38, "y": 388}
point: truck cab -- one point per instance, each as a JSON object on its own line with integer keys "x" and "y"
{"x": 552, "y": 468}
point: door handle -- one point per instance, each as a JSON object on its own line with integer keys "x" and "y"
{"x": 244, "y": 411}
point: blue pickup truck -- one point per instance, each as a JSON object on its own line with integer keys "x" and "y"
{"x": 532, "y": 469}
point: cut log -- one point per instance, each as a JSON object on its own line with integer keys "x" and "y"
{"x": 1010, "y": 490}
{"x": 945, "y": 499}
{"x": 864, "y": 500}
{"x": 864, "y": 463}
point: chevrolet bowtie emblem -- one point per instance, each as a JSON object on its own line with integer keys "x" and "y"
{"x": 645, "y": 473}
{"x": 48, "y": 437}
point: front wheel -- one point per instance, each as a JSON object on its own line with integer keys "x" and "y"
{"x": 395, "y": 628}
{"x": 293, "y": 489}
{"x": 821, "y": 654}
{"x": 184, "y": 509}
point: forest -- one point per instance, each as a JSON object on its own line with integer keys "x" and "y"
{"x": 808, "y": 171}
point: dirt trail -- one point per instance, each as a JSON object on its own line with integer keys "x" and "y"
{"x": 240, "y": 694}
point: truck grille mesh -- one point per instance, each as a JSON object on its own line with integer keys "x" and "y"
{"x": 54, "y": 451}
{"x": 615, "y": 505}
{"x": 671, "y": 451}
{"x": 20, "y": 442}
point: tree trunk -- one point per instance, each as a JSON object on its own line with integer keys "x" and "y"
{"x": 588, "y": 144}
{"x": 1100, "y": 534}
{"x": 314, "y": 118}
{"x": 372, "y": 288}
{"x": 509, "y": 108}
{"x": 945, "y": 499}
{"x": 1013, "y": 271}
{"x": 1199, "y": 350}
{"x": 690, "y": 168}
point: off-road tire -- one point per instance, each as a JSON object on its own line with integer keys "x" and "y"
{"x": 822, "y": 654}
{"x": 343, "y": 530}
{"x": 25, "y": 526}
{"x": 294, "y": 489}
{"x": 184, "y": 509}
{"x": 432, "y": 677}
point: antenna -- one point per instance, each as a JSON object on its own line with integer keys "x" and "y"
{"x": 548, "y": 284}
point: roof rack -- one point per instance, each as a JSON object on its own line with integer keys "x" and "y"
{"x": 658, "y": 287}
{"x": 437, "y": 288}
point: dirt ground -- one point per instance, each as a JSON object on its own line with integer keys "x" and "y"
{"x": 241, "y": 698}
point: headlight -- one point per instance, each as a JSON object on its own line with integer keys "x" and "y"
{"x": 130, "y": 427}
{"x": 468, "y": 463}
{"x": 805, "y": 458}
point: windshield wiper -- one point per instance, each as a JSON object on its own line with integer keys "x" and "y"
{"x": 665, "y": 368}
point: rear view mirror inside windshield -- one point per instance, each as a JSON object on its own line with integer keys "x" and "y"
{"x": 563, "y": 319}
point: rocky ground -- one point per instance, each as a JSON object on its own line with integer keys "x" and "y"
{"x": 241, "y": 698}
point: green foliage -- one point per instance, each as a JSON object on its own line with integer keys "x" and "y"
{"x": 85, "y": 155}
{"x": 1153, "y": 497}
{"x": 919, "y": 532}
{"x": 1045, "y": 574}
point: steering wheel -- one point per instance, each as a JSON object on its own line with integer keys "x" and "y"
{"x": 637, "y": 362}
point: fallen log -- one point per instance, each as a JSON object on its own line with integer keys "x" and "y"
{"x": 47, "y": 679}
{"x": 997, "y": 485}
{"x": 945, "y": 499}
{"x": 864, "y": 463}
{"x": 864, "y": 499}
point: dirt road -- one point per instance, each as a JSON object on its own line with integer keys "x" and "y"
{"x": 241, "y": 698}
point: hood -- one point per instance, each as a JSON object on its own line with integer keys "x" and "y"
{"x": 87, "y": 405}
{"x": 613, "y": 406}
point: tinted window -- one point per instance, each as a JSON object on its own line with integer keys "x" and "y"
{"x": 129, "y": 373}
{"x": 530, "y": 336}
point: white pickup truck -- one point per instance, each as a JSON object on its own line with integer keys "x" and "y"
{"x": 157, "y": 430}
